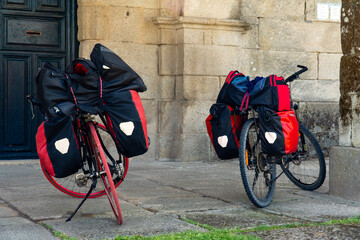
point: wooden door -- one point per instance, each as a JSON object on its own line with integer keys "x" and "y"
{"x": 32, "y": 32}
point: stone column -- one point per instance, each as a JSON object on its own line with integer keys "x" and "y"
{"x": 196, "y": 51}
{"x": 345, "y": 159}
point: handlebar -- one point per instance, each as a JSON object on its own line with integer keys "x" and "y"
{"x": 296, "y": 75}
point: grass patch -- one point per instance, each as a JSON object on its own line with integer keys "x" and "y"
{"x": 57, "y": 233}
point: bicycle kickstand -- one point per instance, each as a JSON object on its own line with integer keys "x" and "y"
{"x": 92, "y": 187}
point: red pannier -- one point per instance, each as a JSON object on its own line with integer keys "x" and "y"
{"x": 224, "y": 125}
{"x": 272, "y": 92}
{"x": 58, "y": 148}
{"x": 279, "y": 131}
{"x": 126, "y": 118}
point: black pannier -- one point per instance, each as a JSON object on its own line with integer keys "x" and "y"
{"x": 279, "y": 131}
{"x": 234, "y": 91}
{"x": 126, "y": 116}
{"x": 52, "y": 89}
{"x": 272, "y": 92}
{"x": 224, "y": 125}
{"x": 115, "y": 73}
{"x": 57, "y": 147}
{"x": 85, "y": 84}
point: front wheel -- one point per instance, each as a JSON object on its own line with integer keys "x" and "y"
{"x": 306, "y": 168}
{"x": 258, "y": 176}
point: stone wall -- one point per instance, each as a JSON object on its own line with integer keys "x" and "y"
{"x": 184, "y": 50}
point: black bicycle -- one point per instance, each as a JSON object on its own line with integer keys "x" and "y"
{"x": 305, "y": 168}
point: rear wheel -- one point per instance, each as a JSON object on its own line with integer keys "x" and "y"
{"x": 257, "y": 175}
{"x": 77, "y": 185}
{"x": 306, "y": 168}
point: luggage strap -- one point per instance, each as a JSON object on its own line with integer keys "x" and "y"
{"x": 71, "y": 90}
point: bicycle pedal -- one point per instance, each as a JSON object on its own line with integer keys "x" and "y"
{"x": 80, "y": 180}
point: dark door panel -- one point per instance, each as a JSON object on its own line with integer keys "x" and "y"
{"x": 33, "y": 34}
{"x": 16, "y": 4}
{"x": 50, "y": 5}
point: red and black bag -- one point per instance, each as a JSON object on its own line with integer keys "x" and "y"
{"x": 234, "y": 92}
{"x": 279, "y": 131}
{"x": 224, "y": 125}
{"x": 272, "y": 92}
{"x": 58, "y": 148}
{"x": 126, "y": 118}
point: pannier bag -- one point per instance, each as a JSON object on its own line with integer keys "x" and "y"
{"x": 224, "y": 125}
{"x": 52, "y": 89}
{"x": 125, "y": 115}
{"x": 58, "y": 148}
{"x": 115, "y": 73}
{"x": 85, "y": 84}
{"x": 279, "y": 131}
{"x": 272, "y": 92}
{"x": 234, "y": 91}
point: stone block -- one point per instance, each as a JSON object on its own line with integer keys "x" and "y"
{"x": 293, "y": 9}
{"x": 281, "y": 63}
{"x": 200, "y": 87}
{"x": 315, "y": 90}
{"x": 169, "y": 117}
{"x": 152, "y": 84}
{"x": 329, "y": 66}
{"x": 167, "y": 60}
{"x": 287, "y": 35}
{"x": 151, "y": 114}
{"x": 347, "y": 28}
{"x": 167, "y": 146}
{"x": 122, "y": 3}
{"x": 194, "y": 114}
{"x": 355, "y": 121}
{"x": 211, "y": 9}
{"x": 344, "y": 168}
{"x": 344, "y": 135}
{"x": 167, "y": 87}
{"x": 190, "y": 36}
{"x": 321, "y": 118}
{"x": 92, "y": 22}
{"x": 213, "y": 60}
{"x": 167, "y": 36}
{"x": 193, "y": 147}
{"x": 132, "y": 25}
{"x": 232, "y": 38}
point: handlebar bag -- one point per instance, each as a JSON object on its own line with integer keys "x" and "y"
{"x": 272, "y": 92}
{"x": 279, "y": 131}
{"x": 57, "y": 147}
{"x": 115, "y": 73}
{"x": 125, "y": 116}
{"x": 52, "y": 88}
{"x": 223, "y": 126}
{"x": 234, "y": 90}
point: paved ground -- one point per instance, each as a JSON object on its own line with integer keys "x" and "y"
{"x": 156, "y": 196}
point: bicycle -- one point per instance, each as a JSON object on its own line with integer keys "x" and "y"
{"x": 305, "y": 168}
{"x": 101, "y": 160}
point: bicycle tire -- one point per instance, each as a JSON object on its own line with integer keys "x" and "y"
{"x": 253, "y": 165}
{"x": 107, "y": 179}
{"x": 68, "y": 184}
{"x": 309, "y": 171}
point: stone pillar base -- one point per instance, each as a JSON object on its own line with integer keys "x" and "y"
{"x": 344, "y": 169}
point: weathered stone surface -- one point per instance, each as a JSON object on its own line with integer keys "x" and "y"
{"x": 169, "y": 115}
{"x": 232, "y": 38}
{"x": 151, "y": 114}
{"x": 347, "y": 28}
{"x": 92, "y": 22}
{"x": 167, "y": 87}
{"x": 211, "y": 9}
{"x": 193, "y": 147}
{"x": 344, "y": 135}
{"x": 321, "y": 118}
{"x": 200, "y": 87}
{"x": 344, "y": 172}
{"x": 167, "y": 146}
{"x": 167, "y": 60}
{"x": 190, "y": 36}
{"x": 194, "y": 115}
{"x": 279, "y": 34}
{"x": 315, "y": 90}
{"x": 329, "y": 66}
{"x": 293, "y": 9}
{"x": 123, "y": 3}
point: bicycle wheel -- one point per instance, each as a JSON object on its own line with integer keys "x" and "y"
{"x": 70, "y": 184}
{"x": 107, "y": 179}
{"x": 306, "y": 168}
{"x": 257, "y": 175}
